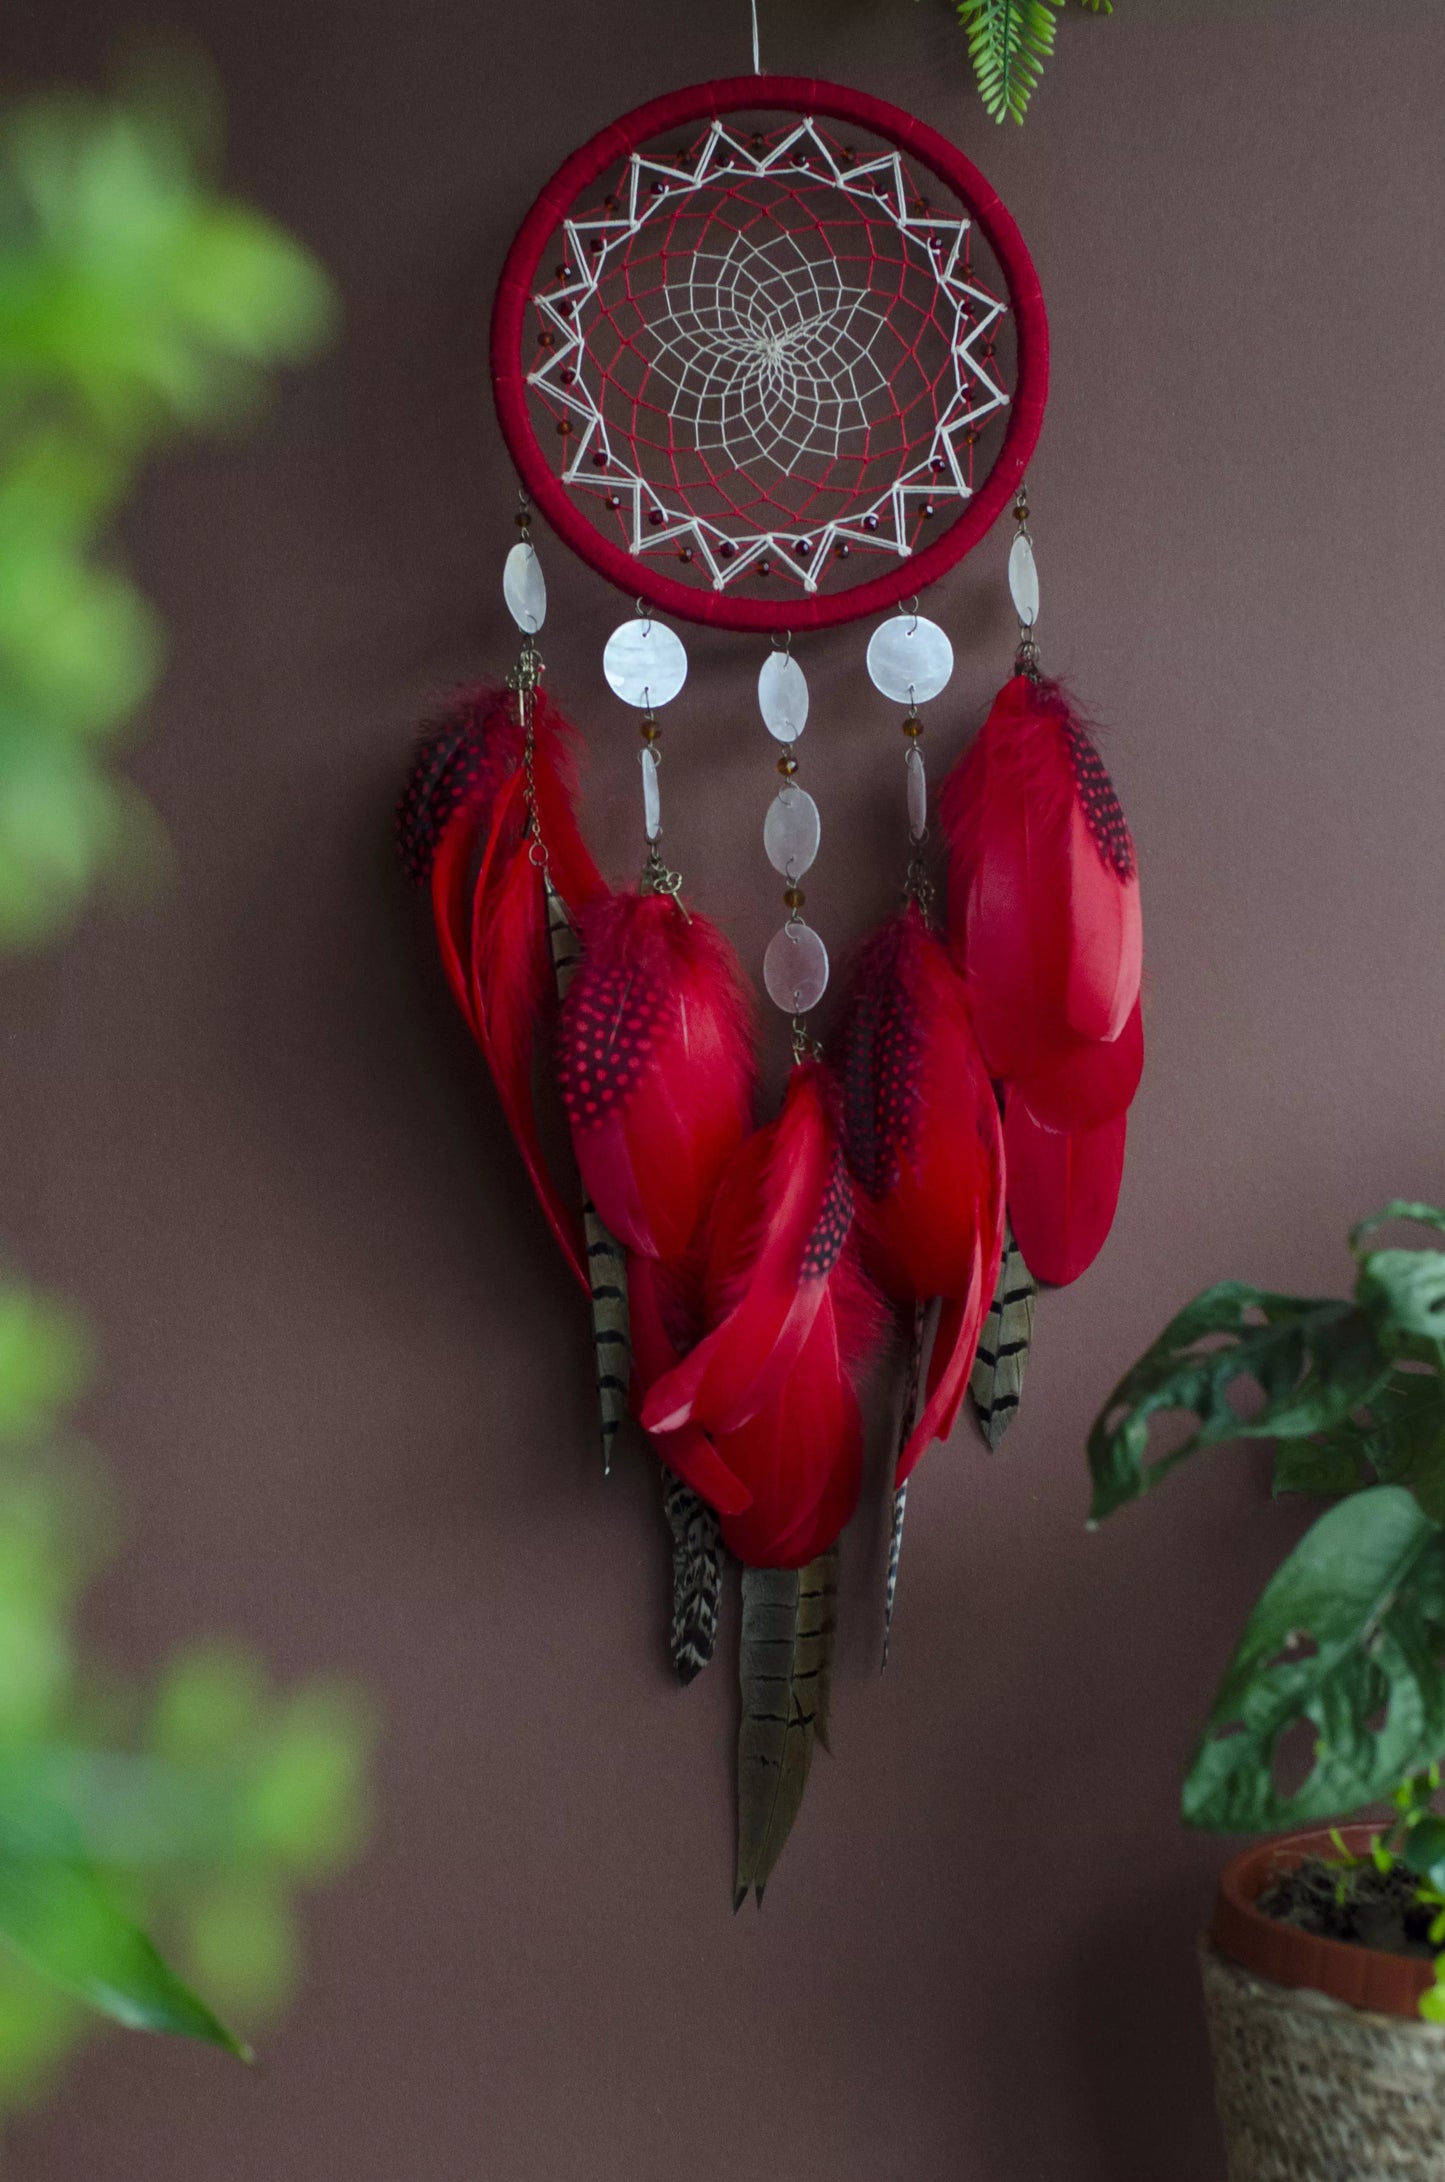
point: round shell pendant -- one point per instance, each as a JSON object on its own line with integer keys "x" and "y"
{"x": 645, "y": 664}
{"x": 909, "y": 659}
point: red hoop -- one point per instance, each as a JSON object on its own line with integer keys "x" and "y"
{"x": 634, "y": 574}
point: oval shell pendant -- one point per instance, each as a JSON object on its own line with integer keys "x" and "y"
{"x": 783, "y": 696}
{"x": 524, "y": 588}
{"x": 645, "y": 664}
{"x": 795, "y": 968}
{"x": 909, "y": 659}
{"x": 792, "y": 831}
{"x": 1023, "y": 580}
{"x": 651, "y": 798}
{"x": 917, "y": 795}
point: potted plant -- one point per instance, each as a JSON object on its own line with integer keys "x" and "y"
{"x": 1324, "y": 1967}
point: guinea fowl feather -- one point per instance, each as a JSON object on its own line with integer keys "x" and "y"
{"x": 1045, "y": 922}
{"x": 463, "y": 825}
{"x": 655, "y": 1064}
{"x": 1043, "y": 888}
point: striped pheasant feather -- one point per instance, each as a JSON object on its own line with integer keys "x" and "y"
{"x": 696, "y": 1576}
{"x": 1003, "y": 1347}
{"x": 606, "y": 1259}
{"x": 908, "y": 1417}
{"x": 786, "y": 1669}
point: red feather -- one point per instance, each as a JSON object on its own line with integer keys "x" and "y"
{"x": 1044, "y": 889}
{"x": 762, "y": 1228}
{"x": 655, "y": 1063}
{"x": 1063, "y": 1189}
{"x": 1092, "y": 1081}
{"x": 791, "y": 1320}
{"x": 463, "y": 824}
{"x": 652, "y": 1302}
{"x": 1045, "y": 918}
{"x": 922, "y": 1131}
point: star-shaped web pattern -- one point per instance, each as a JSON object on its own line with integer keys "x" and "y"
{"x": 766, "y": 353}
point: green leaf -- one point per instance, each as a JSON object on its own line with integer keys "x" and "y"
{"x": 56, "y": 1912}
{"x": 1314, "y": 1361}
{"x": 44, "y": 1361}
{"x": 1396, "y": 1436}
{"x": 1328, "y": 1467}
{"x": 1399, "y": 1208}
{"x": 1405, "y": 1291}
{"x": 1424, "y": 1850}
{"x": 1008, "y": 42}
{"x": 1347, "y": 1635}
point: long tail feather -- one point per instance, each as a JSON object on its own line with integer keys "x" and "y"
{"x": 785, "y": 1666}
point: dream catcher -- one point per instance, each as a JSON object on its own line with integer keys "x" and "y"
{"x": 771, "y": 354}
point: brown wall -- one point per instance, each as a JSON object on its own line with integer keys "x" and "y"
{"x": 347, "y": 1381}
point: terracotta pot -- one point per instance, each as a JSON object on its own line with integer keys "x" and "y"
{"x": 1362, "y": 1977}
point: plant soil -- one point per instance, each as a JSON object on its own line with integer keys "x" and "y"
{"x": 1355, "y": 1903}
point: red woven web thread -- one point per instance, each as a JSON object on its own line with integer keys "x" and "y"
{"x": 758, "y": 441}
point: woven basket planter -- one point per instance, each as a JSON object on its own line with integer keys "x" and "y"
{"x": 1310, "y": 2090}
{"x": 1310, "y": 2087}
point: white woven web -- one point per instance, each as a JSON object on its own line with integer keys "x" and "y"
{"x": 769, "y": 352}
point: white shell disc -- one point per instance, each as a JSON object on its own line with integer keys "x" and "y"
{"x": 651, "y": 798}
{"x": 909, "y": 659}
{"x": 917, "y": 794}
{"x": 525, "y": 588}
{"x": 645, "y": 664}
{"x": 783, "y": 696}
{"x": 1023, "y": 580}
{"x": 795, "y": 969}
{"x": 792, "y": 831}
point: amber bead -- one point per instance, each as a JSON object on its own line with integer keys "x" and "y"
{"x": 912, "y": 728}
{"x": 787, "y": 767}
{"x": 650, "y": 731}
{"x": 795, "y": 897}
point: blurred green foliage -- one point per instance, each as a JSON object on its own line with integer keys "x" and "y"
{"x": 190, "y": 1809}
{"x": 135, "y": 303}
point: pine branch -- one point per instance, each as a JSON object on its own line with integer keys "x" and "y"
{"x": 1009, "y": 42}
